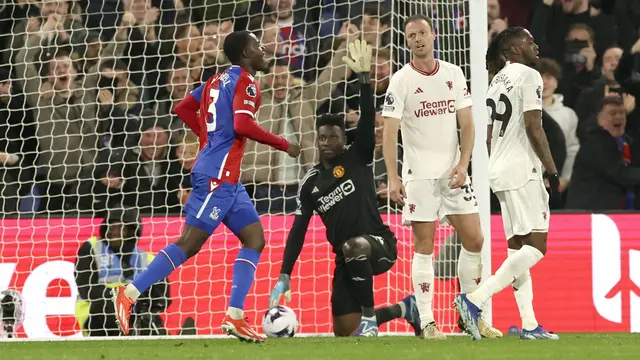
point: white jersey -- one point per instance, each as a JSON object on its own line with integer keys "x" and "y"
{"x": 514, "y": 90}
{"x": 426, "y": 104}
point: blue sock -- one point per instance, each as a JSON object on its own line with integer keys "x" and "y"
{"x": 244, "y": 270}
{"x": 167, "y": 260}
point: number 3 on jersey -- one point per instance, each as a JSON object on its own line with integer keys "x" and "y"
{"x": 504, "y": 116}
{"x": 211, "y": 124}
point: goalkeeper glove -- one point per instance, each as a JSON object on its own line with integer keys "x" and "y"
{"x": 359, "y": 58}
{"x": 282, "y": 286}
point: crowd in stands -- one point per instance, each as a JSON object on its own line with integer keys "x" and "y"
{"x": 88, "y": 90}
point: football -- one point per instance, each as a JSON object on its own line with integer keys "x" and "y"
{"x": 280, "y": 321}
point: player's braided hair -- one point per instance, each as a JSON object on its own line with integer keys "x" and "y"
{"x": 495, "y": 59}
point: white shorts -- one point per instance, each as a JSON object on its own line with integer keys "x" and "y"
{"x": 432, "y": 200}
{"x": 525, "y": 210}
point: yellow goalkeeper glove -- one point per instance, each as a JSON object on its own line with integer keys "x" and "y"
{"x": 359, "y": 58}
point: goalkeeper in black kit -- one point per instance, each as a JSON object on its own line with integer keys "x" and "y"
{"x": 341, "y": 190}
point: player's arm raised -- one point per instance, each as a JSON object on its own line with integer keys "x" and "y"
{"x": 392, "y": 113}
{"x": 244, "y": 114}
{"x": 295, "y": 241}
{"x": 532, "y": 108}
{"x": 467, "y": 132}
{"x": 359, "y": 61}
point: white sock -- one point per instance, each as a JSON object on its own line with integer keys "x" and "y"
{"x": 131, "y": 292}
{"x": 422, "y": 275}
{"x": 512, "y": 268}
{"x": 469, "y": 270}
{"x": 235, "y": 313}
{"x": 523, "y": 292}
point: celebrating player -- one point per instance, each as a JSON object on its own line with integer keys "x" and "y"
{"x": 426, "y": 97}
{"x": 228, "y": 103}
{"x": 518, "y": 145}
{"x": 341, "y": 189}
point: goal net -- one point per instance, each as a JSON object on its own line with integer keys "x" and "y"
{"x": 87, "y": 93}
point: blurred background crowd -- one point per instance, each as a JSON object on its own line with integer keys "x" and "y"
{"x": 88, "y": 90}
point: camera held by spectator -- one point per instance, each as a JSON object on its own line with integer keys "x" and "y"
{"x": 11, "y": 313}
{"x": 572, "y": 52}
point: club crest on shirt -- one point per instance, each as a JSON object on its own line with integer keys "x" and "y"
{"x": 539, "y": 92}
{"x": 215, "y": 213}
{"x": 450, "y": 85}
{"x": 338, "y": 171}
{"x": 251, "y": 90}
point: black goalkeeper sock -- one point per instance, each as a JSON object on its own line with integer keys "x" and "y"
{"x": 388, "y": 313}
{"x": 362, "y": 282}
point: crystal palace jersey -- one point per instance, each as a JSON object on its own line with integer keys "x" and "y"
{"x": 514, "y": 90}
{"x": 224, "y": 95}
{"x": 426, "y": 104}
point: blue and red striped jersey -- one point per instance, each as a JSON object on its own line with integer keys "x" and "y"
{"x": 224, "y": 95}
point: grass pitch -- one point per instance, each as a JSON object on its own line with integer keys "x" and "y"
{"x": 570, "y": 346}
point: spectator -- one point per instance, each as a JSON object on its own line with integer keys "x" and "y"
{"x": 66, "y": 120}
{"x": 213, "y": 60}
{"x": 551, "y": 25}
{"x": 187, "y": 150}
{"x": 11, "y": 13}
{"x": 564, "y": 116}
{"x": 266, "y": 29}
{"x": 119, "y": 102}
{"x": 271, "y": 179}
{"x": 606, "y": 173}
{"x": 115, "y": 259}
{"x": 57, "y": 19}
{"x": 517, "y": 12}
{"x": 137, "y": 37}
{"x": 18, "y": 145}
{"x": 586, "y": 107}
{"x": 627, "y": 15}
{"x": 157, "y": 191}
{"x": 183, "y": 42}
{"x": 347, "y": 33}
{"x": 300, "y": 37}
{"x": 374, "y": 27}
{"x": 103, "y": 16}
{"x": 495, "y": 22}
{"x": 88, "y": 49}
{"x": 114, "y": 183}
{"x": 217, "y": 10}
{"x": 179, "y": 84}
{"x": 579, "y": 65}
{"x": 627, "y": 74}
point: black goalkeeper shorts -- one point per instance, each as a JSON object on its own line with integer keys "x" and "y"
{"x": 384, "y": 253}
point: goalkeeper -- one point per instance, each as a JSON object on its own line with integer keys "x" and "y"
{"x": 341, "y": 189}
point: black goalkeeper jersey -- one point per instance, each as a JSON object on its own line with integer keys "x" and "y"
{"x": 343, "y": 194}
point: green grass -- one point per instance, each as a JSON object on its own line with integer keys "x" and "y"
{"x": 570, "y": 346}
